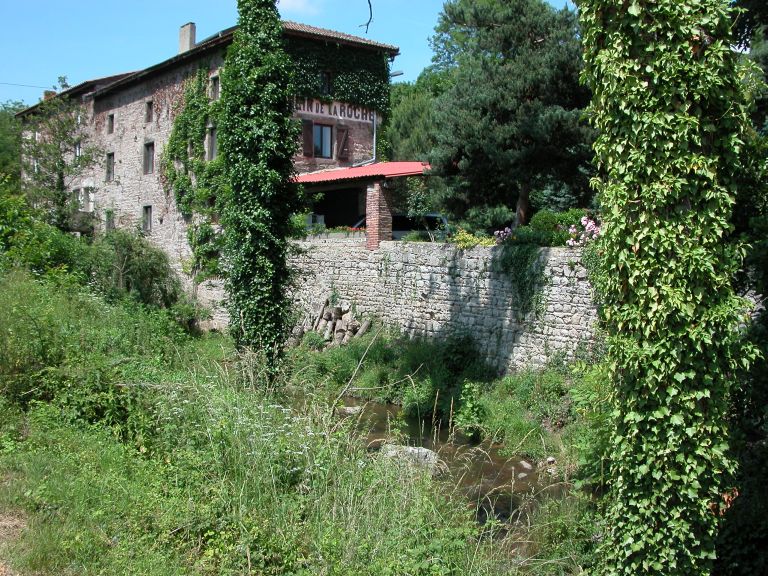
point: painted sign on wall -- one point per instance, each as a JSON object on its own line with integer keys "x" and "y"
{"x": 340, "y": 110}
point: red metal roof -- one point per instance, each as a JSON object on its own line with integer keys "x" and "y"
{"x": 371, "y": 171}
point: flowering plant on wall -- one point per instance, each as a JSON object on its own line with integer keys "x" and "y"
{"x": 590, "y": 231}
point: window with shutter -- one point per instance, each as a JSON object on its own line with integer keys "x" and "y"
{"x": 342, "y": 143}
{"x": 308, "y": 138}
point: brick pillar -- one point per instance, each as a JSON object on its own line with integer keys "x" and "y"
{"x": 378, "y": 215}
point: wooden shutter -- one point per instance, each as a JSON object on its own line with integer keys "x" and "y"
{"x": 308, "y": 137}
{"x": 342, "y": 143}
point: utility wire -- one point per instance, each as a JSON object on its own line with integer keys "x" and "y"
{"x": 22, "y": 85}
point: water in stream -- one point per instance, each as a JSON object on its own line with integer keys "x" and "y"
{"x": 500, "y": 486}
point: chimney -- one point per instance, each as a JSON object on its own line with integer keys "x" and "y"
{"x": 187, "y": 37}
{"x": 48, "y": 94}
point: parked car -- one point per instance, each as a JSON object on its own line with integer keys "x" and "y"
{"x": 433, "y": 225}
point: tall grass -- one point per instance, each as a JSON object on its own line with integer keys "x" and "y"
{"x": 425, "y": 375}
{"x": 212, "y": 476}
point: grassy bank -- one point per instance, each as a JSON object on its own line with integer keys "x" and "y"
{"x": 535, "y": 413}
{"x": 133, "y": 447}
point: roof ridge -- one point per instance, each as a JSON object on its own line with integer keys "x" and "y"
{"x": 300, "y": 27}
{"x": 224, "y": 36}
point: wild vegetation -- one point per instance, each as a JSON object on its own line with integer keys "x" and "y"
{"x": 671, "y": 111}
{"x": 190, "y": 455}
{"x": 182, "y": 457}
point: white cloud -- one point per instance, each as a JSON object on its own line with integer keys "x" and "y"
{"x": 298, "y": 7}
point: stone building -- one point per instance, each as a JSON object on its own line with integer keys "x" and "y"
{"x": 342, "y": 92}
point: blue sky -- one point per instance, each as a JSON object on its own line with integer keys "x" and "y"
{"x": 84, "y": 39}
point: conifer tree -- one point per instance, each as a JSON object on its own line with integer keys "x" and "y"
{"x": 510, "y": 124}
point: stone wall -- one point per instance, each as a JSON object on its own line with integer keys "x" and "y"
{"x": 435, "y": 290}
{"x": 131, "y": 189}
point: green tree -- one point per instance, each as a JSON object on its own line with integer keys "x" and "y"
{"x": 758, "y": 53}
{"x": 411, "y": 126}
{"x": 510, "y": 124}
{"x": 10, "y": 140}
{"x": 56, "y": 152}
{"x": 258, "y": 140}
{"x": 752, "y": 15}
{"x": 671, "y": 110}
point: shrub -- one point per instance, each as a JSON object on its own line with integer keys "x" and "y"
{"x": 484, "y": 219}
{"x": 60, "y": 342}
{"x": 545, "y": 221}
{"x": 465, "y": 240}
{"x": 548, "y": 228}
{"x": 126, "y": 263}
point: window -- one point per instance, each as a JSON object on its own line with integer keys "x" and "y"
{"x": 325, "y": 83}
{"x": 148, "y": 111}
{"x": 110, "y": 124}
{"x": 146, "y": 219}
{"x": 215, "y": 88}
{"x": 109, "y": 220}
{"x": 110, "y": 167}
{"x": 213, "y": 148}
{"x": 318, "y": 141}
{"x": 322, "y": 140}
{"x": 149, "y": 158}
{"x": 78, "y": 150}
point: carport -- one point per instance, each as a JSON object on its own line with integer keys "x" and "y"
{"x": 349, "y": 189}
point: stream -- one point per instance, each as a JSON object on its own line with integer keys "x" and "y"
{"x": 499, "y": 486}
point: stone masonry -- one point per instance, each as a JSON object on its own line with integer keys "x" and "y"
{"x": 136, "y": 113}
{"x": 436, "y": 290}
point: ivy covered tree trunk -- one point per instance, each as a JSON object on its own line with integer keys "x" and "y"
{"x": 670, "y": 107}
{"x": 258, "y": 139}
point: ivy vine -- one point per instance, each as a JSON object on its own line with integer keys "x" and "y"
{"x": 670, "y": 107}
{"x": 258, "y": 139}
{"x": 198, "y": 184}
{"x": 358, "y": 76}
{"x": 523, "y": 264}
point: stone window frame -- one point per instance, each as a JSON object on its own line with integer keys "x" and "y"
{"x": 146, "y": 219}
{"x": 211, "y": 142}
{"x": 110, "y": 123}
{"x": 110, "y": 175}
{"x": 214, "y": 90}
{"x": 149, "y": 111}
{"x": 340, "y": 142}
{"x": 148, "y": 162}
{"x": 85, "y": 198}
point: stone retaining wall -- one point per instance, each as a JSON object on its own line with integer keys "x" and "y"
{"x": 436, "y": 289}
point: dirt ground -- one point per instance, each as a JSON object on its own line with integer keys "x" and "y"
{"x": 11, "y": 526}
